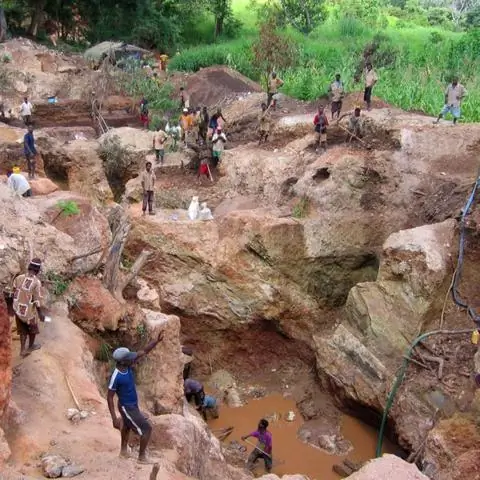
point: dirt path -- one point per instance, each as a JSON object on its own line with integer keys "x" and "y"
{"x": 41, "y": 393}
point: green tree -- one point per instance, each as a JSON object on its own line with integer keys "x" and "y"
{"x": 222, "y": 11}
{"x": 472, "y": 19}
{"x": 273, "y": 50}
{"x": 303, "y": 15}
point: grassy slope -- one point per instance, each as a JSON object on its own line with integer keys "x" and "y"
{"x": 416, "y": 62}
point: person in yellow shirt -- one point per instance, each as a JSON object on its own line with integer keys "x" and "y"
{"x": 273, "y": 85}
{"x": 163, "y": 62}
{"x": 186, "y": 121}
{"x": 371, "y": 79}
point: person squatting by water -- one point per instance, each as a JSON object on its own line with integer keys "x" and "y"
{"x": 122, "y": 384}
{"x": 194, "y": 389}
{"x": 148, "y": 187}
{"x": 27, "y": 305}
{"x": 263, "y": 450}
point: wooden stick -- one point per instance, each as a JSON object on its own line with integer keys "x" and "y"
{"x": 73, "y": 395}
{"x": 209, "y": 172}
{"x": 154, "y": 473}
{"x": 217, "y": 430}
{"x": 136, "y": 267}
{"x": 257, "y": 448}
{"x": 88, "y": 254}
{"x": 420, "y": 364}
{"x": 418, "y": 192}
{"x": 355, "y": 136}
{"x": 438, "y": 360}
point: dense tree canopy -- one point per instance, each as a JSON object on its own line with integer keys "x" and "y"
{"x": 167, "y": 24}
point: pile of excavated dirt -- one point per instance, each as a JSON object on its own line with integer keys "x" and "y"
{"x": 213, "y": 86}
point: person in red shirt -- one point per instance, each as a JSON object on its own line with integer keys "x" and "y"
{"x": 321, "y": 123}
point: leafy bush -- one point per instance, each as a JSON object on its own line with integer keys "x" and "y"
{"x": 136, "y": 83}
{"x": 59, "y": 284}
{"x": 350, "y": 26}
{"x": 68, "y": 207}
{"x": 117, "y": 159}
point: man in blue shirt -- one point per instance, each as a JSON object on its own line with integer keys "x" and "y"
{"x": 30, "y": 152}
{"x": 122, "y": 383}
{"x": 209, "y": 405}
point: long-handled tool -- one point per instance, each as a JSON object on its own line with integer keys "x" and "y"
{"x": 209, "y": 172}
{"x": 355, "y": 136}
{"x": 258, "y": 448}
{"x": 223, "y": 433}
{"x": 275, "y": 463}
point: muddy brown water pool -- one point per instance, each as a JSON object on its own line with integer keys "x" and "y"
{"x": 290, "y": 454}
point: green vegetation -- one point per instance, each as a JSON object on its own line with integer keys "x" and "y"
{"x": 301, "y": 208}
{"x": 68, "y": 207}
{"x": 415, "y": 45}
{"x": 414, "y": 61}
{"x": 59, "y": 284}
{"x": 104, "y": 353}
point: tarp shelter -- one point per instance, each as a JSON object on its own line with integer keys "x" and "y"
{"x": 115, "y": 51}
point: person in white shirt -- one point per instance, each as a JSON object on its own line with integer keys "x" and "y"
{"x": 26, "y": 111}
{"x": 454, "y": 94}
{"x": 219, "y": 140}
{"x": 19, "y": 184}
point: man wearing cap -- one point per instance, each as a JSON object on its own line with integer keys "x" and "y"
{"x": 148, "y": 187}
{"x": 122, "y": 383}
{"x": 27, "y": 303}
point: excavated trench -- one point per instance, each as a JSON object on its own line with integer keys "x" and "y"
{"x": 276, "y": 375}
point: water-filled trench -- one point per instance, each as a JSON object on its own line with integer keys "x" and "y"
{"x": 290, "y": 454}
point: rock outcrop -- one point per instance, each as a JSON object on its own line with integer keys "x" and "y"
{"x": 382, "y": 318}
{"x": 27, "y": 226}
{"x": 76, "y": 163}
{"x": 389, "y": 466}
{"x": 93, "y": 307}
{"x": 5, "y": 375}
{"x": 160, "y": 374}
